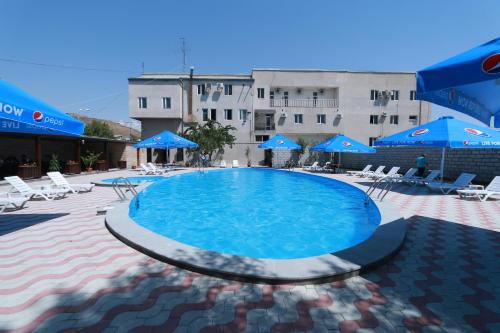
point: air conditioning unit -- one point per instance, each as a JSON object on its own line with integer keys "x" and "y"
{"x": 321, "y": 91}
{"x": 208, "y": 87}
{"x": 339, "y": 115}
{"x": 384, "y": 114}
{"x": 299, "y": 90}
{"x": 220, "y": 86}
{"x": 283, "y": 115}
{"x": 277, "y": 90}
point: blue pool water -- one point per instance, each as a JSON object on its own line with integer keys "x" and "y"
{"x": 137, "y": 180}
{"x": 260, "y": 213}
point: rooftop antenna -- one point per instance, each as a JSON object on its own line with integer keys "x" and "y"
{"x": 183, "y": 51}
{"x": 143, "y": 67}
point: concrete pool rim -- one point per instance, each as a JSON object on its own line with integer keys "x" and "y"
{"x": 377, "y": 249}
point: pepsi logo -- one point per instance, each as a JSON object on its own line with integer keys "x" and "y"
{"x": 466, "y": 142}
{"x": 477, "y": 132}
{"x": 158, "y": 138}
{"x": 346, "y": 144}
{"x": 280, "y": 142}
{"x": 37, "y": 116}
{"x": 491, "y": 65}
{"x": 176, "y": 138}
{"x": 419, "y": 132}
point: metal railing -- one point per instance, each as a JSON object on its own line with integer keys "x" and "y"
{"x": 304, "y": 103}
{"x": 259, "y": 127}
{"x": 122, "y": 182}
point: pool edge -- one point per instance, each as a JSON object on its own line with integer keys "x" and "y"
{"x": 383, "y": 244}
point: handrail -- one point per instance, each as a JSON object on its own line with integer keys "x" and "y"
{"x": 119, "y": 191}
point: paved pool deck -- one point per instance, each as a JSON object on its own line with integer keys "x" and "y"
{"x": 62, "y": 271}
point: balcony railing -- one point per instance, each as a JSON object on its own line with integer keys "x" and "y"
{"x": 304, "y": 103}
{"x": 262, "y": 127}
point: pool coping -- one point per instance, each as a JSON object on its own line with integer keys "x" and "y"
{"x": 378, "y": 248}
{"x": 106, "y": 184}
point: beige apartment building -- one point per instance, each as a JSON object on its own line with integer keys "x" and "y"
{"x": 309, "y": 104}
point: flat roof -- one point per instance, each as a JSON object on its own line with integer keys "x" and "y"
{"x": 329, "y": 71}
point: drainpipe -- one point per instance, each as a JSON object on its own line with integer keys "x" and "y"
{"x": 190, "y": 95}
{"x": 181, "y": 83}
{"x": 419, "y": 112}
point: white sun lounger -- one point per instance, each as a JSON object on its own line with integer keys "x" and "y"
{"x": 312, "y": 167}
{"x": 45, "y": 192}
{"x": 415, "y": 180}
{"x": 155, "y": 169}
{"x": 59, "y": 181}
{"x": 393, "y": 173}
{"x": 236, "y": 164}
{"x": 354, "y": 173}
{"x": 461, "y": 182}
{"x": 377, "y": 171}
{"x": 325, "y": 167}
{"x": 145, "y": 170}
{"x": 7, "y": 200}
{"x": 478, "y": 191}
{"x": 223, "y": 164}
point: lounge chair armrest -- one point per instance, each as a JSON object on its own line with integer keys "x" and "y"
{"x": 475, "y": 187}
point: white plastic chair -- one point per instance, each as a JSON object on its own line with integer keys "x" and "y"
{"x": 60, "y": 182}
{"x": 45, "y": 192}
{"x": 478, "y": 191}
{"x": 461, "y": 182}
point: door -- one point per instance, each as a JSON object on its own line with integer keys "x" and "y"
{"x": 269, "y": 121}
{"x": 268, "y": 157}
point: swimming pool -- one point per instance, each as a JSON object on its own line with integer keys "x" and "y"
{"x": 257, "y": 213}
{"x": 134, "y": 180}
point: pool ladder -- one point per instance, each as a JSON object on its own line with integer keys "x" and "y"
{"x": 129, "y": 187}
{"x": 388, "y": 183}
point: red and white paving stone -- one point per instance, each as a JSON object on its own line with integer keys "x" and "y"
{"x": 62, "y": 271}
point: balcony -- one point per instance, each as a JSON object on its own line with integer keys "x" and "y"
{"x": 264, "y": 127}
{"x": 304, "y": 103}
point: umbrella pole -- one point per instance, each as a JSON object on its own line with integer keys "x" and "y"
{"x": 443, "y": 153}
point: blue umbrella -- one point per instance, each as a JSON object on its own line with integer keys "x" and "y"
{"x": 280, "y": 142}
{"x": 468, "y": 82}
{"x": 445, "y": 132}
{"x": 342, "y": 144}
{"x": 23, "y": 113}
{"x": 166, "y": 140}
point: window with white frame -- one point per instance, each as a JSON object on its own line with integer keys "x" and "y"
{"x": 143, "y": 102}
{"x": 260, "y": 92}
{"x": 395, "y": 95}
{"x": 321, "y": 118}
{"x": 201, "y": 89}
{"x": 413, "y": 119}
{"x": 374, "y": 119}
{"x": 243, "y": 114}
{"x": 374, "y": 95}
{"x": 271, "y": 94}
{"x": 228, "y": 89}
{"x": 413, "y": 95}
{"x": 299, "y": 118}
{"x": 166, "y": 102}
{"x": 213, "y": 114}
{"x": 261, "y": 138}
{"x": 371, "y": 141}
{"x": 285, "y": 97}
{"x": 205, "y": 114}
{"x": 394, "y": 120}
{"x": 228, "y": 114}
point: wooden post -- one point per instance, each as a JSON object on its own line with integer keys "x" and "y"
{"x": 138, "y": 157}
{"x": 106, "y": 157}
{"x": 78, "y": 150}
{"x": 38, "y": 155}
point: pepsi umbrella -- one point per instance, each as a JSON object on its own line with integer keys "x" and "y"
{"x": 342, "y": 144}
{"x": 23, "y": 113}
{"x": 468, "y": 82}
{"x": 166, "y": 140}
{"x": 445, "y": 132}
{"x": 280, "y": 142}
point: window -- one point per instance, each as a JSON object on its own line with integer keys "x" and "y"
{"x": 228, "y": 89}
{"x": 371, "y": 141}
{"x": 413, "y": 120}
{"x": 374, "y": 95}
{"x": 260, "y": 92}
{"x": 394, "y": 120}
{"x": 261, "y": 138}
{"x": 285, "y": 97}
{"x": 201, "y": 89}
{"x": 205, "y": 114}
{"x": 166, "y": 102}
{"x": 374, "y": 119}
{"x": 228, "y": 114}
{"x": 321, "y": 118}
{"x": 243, "y": 114}
{"x": 395, "y": 95}
{"x": 213, "y": 114}
{"x": 413, "y": 95}
{"x": 299, "y": 119}
{"x": 143, "y": 102}
{"x": 315, "y": 98}
{"x": 271, "y": 95}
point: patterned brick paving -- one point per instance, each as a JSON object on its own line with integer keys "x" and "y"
{"x": 61, "y": 271}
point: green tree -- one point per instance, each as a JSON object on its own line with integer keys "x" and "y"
{"x": 211, "y": 137}
{"x": 99, "y": 129}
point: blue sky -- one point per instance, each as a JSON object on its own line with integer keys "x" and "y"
{"x": 222, "y": 36}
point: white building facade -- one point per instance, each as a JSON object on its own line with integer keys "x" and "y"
{"x": 309, "y": 104}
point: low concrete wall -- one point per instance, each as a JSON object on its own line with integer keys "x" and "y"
{"x": 485, "y": 163}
